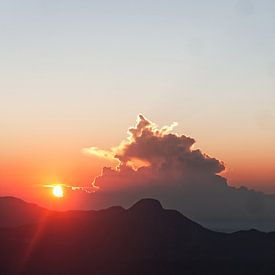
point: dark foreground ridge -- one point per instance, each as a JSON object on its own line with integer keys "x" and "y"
{"x": 145, "y": 239}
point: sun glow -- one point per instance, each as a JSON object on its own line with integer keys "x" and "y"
{"x": 58, "y": 191}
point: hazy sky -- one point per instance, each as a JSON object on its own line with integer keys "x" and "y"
{"x": 75, "y": 74}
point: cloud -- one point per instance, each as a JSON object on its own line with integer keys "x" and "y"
{"x": 87, "y": 189}
{"x": 153, "y": 162}
{"x": 99, "y": 152}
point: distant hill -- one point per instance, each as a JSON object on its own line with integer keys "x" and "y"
{"x": 15, "y": 212}
{"x": 144, "y": 239}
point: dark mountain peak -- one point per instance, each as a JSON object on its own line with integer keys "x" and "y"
{"x": 16, "y": 212}
{"x": 9, "y": 199}
{"x": 147, "y": 205}
{"x": 87, "y": 242}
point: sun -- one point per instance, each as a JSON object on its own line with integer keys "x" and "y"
{"x": 58, "y": 191}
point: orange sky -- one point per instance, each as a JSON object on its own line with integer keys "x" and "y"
{"x": 77, "y": 75}
{"x": 27, "y": 165}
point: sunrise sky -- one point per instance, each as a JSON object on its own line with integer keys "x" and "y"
{"x": 75, "y": 74}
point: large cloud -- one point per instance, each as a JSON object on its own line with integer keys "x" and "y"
{"x": 153, "y": 162}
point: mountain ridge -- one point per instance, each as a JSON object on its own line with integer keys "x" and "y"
{"x": 143, "y": 239}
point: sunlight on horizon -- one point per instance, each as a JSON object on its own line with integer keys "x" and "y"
{"x": 57, "y": 191}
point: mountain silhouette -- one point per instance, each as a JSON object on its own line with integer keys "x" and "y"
{"x": 15, "y": 212}
{"x": 144, "y": 239}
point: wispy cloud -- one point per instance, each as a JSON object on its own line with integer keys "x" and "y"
{"x": 107, "y": 154}
{"x": 87, "y": 189}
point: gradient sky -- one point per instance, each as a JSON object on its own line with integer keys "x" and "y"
{"x": 75, "y": 74}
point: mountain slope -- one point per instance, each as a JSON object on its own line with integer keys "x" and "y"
{"x": 145, "y": 239}
{"x": 15, "y": 212}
